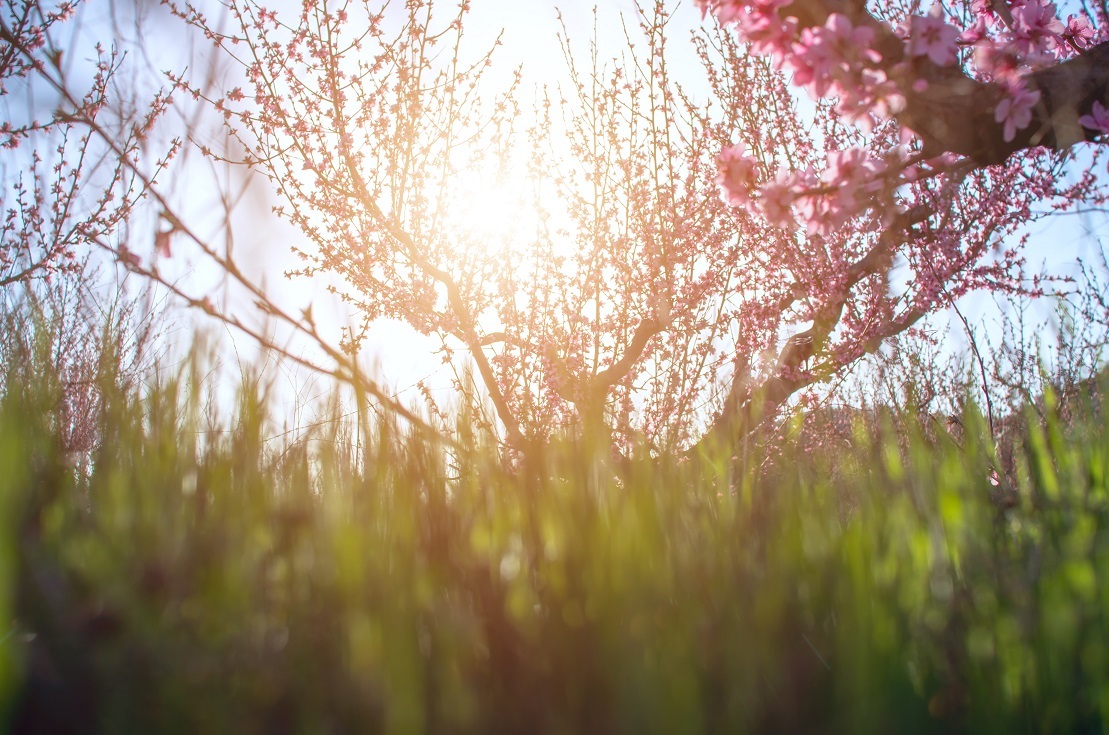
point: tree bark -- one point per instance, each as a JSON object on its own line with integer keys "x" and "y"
{"x": 955, "y": 113}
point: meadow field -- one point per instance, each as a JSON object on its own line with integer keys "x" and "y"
{"x": 437, "y": 367}
{"x": 361, "y": 579}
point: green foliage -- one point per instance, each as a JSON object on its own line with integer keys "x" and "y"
{"x": 198, "y": 582}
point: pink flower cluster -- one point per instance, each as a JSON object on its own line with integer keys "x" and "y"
{"x": 932, "y": 36}
{"x": 757, "y": 20}
{"x": 1097, "y": 120}
{"x": 839, "y": 59}
{"x": 824, "y": 202}
{"x": 1014, "y": 110}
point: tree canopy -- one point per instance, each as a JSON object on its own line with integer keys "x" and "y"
{"x": 623, "y": 254}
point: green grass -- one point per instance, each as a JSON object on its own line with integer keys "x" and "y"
{"x": 204, "y": 583}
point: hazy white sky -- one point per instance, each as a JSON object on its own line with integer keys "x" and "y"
{"x": 529, "y": 35}
{"x": 528, "y": 31}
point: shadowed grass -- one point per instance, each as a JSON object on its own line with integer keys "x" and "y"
{"x": 205, "y": 582}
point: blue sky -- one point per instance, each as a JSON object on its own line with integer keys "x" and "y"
{"x": 529, "y": 40}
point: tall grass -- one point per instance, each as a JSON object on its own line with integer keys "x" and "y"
{"x": 197, "y": 582}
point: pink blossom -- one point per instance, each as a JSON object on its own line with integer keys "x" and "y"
{"x": 851, "y": 167}
{"x": 834, "y": 52}
{"x": 162, "y": 243}
{"x": 777, "y": 198}
{"x": 982, "y": 8}
{"x": 758, "y": 22}
{"x": 851, "y": 45}
{"x": 726, "y": 11}
{"x": 1015, "y": 109}
{"x": 816, "y": 211}
{"x": 826, "y": 204}
{"x": 910, "y": 174}
{"x": 735, "y": 174}
{"x": 557, "y": 344}
{"x": 1097, "y": 120}
{"x": 874, "y": 96}
{"x": 1037, "y": 27}
{"x": 930, "y": 35}
{"x": 851, "y": 171}
{"x": 1079, "y": 32}
{"x": 766, "y": 31}
{"x": 975, "y": 33}
{"x": 812, "y": 62}
{"x": 1000, "y": 62}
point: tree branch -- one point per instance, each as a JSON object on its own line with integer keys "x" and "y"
{"x": 955, "y": 113}
{"x": 454, "y": 299}
{"x": 618, "y": 370}
{"x": 746, "y": 406}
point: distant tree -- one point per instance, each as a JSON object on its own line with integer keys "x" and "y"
{"x": 78, "y": 334}
{"x": 69, "y": 155}
{"x": 632, "y": 300}
{"x": 71, "y": 180}
{"x": 984, "y": 100}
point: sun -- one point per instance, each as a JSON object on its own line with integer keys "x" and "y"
{"x": 495, "y": 210}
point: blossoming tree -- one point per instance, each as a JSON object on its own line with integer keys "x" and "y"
{"x": 630, "y": 298}
{"x": 985, "y": 101}
{"x": 73, "y": 135}
{"x": 69, "y": 175}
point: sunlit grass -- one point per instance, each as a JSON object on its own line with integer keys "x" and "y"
{"x": 195, "y": 582}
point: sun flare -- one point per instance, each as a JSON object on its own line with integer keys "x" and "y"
{"x": 495, "y": 211}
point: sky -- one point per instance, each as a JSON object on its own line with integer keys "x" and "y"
{"x": 528, "y": 31}
{"x": 394, "y": 352}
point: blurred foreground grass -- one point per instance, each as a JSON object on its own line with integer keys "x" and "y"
{"x": 190, "y": 582}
